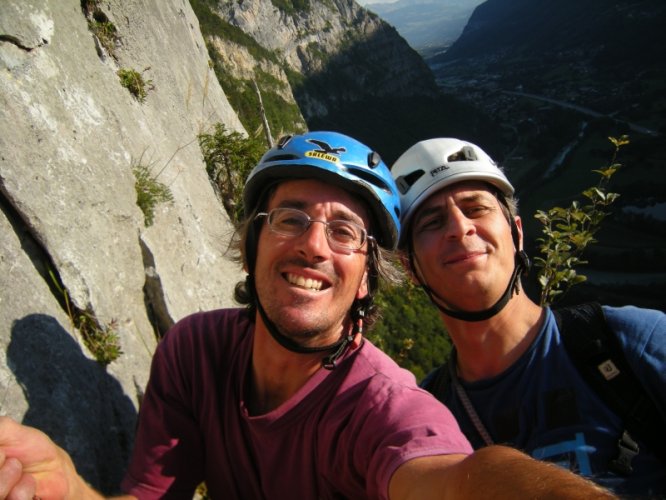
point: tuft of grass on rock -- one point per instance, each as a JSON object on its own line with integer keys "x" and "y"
{"x": 133, "y": 81}
{"x": 149, "y": 192}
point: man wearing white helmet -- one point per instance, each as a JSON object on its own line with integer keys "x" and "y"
{"x": 283, "y": 399}
{"x": 510, "y": 379}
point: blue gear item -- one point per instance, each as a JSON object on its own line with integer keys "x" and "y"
{"x": 335, "y": 159}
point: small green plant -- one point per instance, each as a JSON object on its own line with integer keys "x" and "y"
{"x": 102, "y": 341}
{"x": 229, "y": 158}
{"x": 568, "y": 232}
{"x": 106, "y": 33}
{"x": 149, "y": 191}
{"x": 100, "y": 25}
{"x": 133, "y": 81}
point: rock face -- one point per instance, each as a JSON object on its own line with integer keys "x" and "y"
{"x": 356, "y": 54}
{"x": 70, "y": 228}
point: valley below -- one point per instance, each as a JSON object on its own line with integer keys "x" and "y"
{"x": 555, "y": 114}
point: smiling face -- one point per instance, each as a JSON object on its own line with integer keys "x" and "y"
{"x": 305, "y": 287}
{"x": 463, "y": 247}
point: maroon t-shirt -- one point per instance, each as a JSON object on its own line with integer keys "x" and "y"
{"x": 343, "y": 434}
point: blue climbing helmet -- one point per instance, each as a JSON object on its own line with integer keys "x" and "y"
{"x": 335, "y": 159}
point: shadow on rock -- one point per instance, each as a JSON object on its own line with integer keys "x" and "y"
{"x": 73, "y": 399}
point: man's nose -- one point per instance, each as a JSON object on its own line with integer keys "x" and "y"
{"x": 314, "y": 242}
{"x": 458, "y": 224}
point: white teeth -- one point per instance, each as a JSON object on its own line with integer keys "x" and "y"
{"x": 304, "y": 283}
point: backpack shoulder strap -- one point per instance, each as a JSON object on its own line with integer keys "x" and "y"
{"x": 598, "y": 355}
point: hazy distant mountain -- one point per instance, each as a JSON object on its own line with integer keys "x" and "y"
{"x": 618, "y": 29}
{"x": 427, "y": 24}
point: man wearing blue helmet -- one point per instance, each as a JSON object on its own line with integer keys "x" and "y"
{"x": 514, "y": 376}
{"x": 283, "y": 398}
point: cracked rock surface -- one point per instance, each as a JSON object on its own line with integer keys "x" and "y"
{"x": 70, "y": 135}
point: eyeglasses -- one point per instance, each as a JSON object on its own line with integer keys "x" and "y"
{"x": 340, "y": 234}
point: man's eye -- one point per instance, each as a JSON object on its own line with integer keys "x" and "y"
{"x": 342, "y": 231}
{"x": 476, "y": 211}
{"x": 290, "y": 224}
{"x": 291, "y": 221}
{"x": 430, "y": 224}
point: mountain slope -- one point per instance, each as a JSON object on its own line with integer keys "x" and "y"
{"x": 532, "y": 27}
{"x": 428, "y": 25}
{"x": 330, "y": 64}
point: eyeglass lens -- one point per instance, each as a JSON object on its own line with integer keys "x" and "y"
{"x": 293, "y": 222}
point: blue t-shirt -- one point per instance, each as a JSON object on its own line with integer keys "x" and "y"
{"x": 542, "y": 405}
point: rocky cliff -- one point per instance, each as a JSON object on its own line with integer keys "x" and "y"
{"x": 75, "y": 248}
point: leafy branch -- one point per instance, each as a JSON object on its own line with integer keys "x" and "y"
{"x": 568, "y": 232}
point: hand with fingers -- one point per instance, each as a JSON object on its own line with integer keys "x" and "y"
{"x": 33, "y": 466}
{"x": 14, "y": 483}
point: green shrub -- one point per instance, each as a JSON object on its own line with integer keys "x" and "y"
{"x": 101, "y": 340}
{"x": 292, "y": 7}
{"x": 106, "y": 33}
{"x": 410, "y": 330}
{"x": 229, "y": 158}
{"x": 100, "y": 25}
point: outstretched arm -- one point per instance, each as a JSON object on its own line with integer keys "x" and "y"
{"x": 33, "y": 465}
{"x": 496, "y": 472}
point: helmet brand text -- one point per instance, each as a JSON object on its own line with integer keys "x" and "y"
{"x": 437, "y": 170}
{"x": 321, "y": 156}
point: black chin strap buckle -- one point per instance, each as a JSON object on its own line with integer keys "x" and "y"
{"x": 627, "y": 450}
{"x": 331, "y": 361}
{"x": 523, "y": 265}
{"x": 524, "y": 262}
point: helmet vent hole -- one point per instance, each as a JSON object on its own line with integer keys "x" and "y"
{"x": 285, "y": 157}
{"x": 283, "y": 141}
{"x": 405, "y": 182}
{"x": 374, "y": 159}
{"x": 465, "y": 154}
{"x": 370, "y": 178}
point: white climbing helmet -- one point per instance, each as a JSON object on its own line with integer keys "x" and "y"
{"x": 433, "y": 164}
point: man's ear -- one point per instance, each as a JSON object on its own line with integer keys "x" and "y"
{"x": 363, "y": 286}
{"x": 519, "y": 226}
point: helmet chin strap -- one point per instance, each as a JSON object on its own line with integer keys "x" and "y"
{"x": 522, "y": 264}
{"x": 337, "y": 348}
